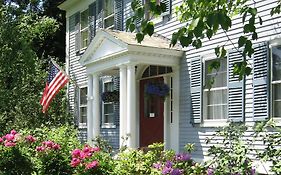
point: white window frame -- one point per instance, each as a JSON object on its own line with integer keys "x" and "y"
{"x": 83, "y": 30}
{"x": 82, "y": 125}
{"x": 108, "y": 17}
{"x": 271, "y": 101}
{"x": 107, "y": 125}
{"x": 212, "y": 122}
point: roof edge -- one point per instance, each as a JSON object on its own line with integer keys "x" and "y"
{"x": 66, "y": 4}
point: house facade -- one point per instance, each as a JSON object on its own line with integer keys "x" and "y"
{"x": 101, "y": 57}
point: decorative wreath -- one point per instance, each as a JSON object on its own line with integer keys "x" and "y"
{"x": 162, "y": 90}
{"x": 110, "y": 96}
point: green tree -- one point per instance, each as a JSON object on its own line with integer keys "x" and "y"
{"x": 22, "y": 72}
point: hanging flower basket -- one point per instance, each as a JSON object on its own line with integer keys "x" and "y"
{"x": 161, "y": 90}
{"x": 110, "y": 96}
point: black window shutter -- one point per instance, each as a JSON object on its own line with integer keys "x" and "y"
{"x": 77, "y": 32}
{"x": 168, "y": 4}
{"x": 92, "y": 21}
{"x": 99, "y": 16}
{"x": 118, "y": 15}
{"x": 236, "y": 89}
{"x": 196, "y": 89}
{"x": 261, "y": 82}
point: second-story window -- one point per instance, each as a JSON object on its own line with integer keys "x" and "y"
{"x": 109, "y": 14}
{"x": 84, "y": 29}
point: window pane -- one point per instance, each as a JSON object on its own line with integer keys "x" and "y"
{"x": 108, "y": 87}
{"x": 109, "y": 22}
{"x": 276, "y": 100}
{"x": 84, "y": 38}
{"x": 108, "y": 108}
{"x": 84, "y": 19}
{"x": 216, "y": 103}
{"x": 153, "y": 70}
{"x": 109, "y": 118}
{"x": 83, "y": 114}
{"x": 276, "y": 63}
{"x": 83, "y": 96}
{"x": 220, "y": 75}
{"x": 109, "y": 7}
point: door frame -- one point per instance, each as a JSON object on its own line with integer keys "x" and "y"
{"x": 171, "y": 130}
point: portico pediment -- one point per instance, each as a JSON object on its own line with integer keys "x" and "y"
{"x": 102, "y": 46}
{"x": 110, "y": 49}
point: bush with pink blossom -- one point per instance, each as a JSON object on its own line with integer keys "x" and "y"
{"x": 91, "y": 160}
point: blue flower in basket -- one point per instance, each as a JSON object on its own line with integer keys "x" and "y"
{"x": 161, "y": 90}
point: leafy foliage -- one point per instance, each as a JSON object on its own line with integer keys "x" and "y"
{"x": 22, "y": 73}
{"x": 203, "y": 19}
{"x": 231, "y": 156}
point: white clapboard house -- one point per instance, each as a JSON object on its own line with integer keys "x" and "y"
{"x": 102, "y": 57}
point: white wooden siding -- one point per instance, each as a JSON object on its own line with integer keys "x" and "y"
{"x": 269, "y": 30}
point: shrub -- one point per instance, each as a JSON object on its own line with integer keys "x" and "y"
{"x": 232, "y": 155}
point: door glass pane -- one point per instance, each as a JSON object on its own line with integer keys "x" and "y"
{"x": 151, "y": 104}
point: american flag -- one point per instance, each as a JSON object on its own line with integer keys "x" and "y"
{"x": 56, "y": 80}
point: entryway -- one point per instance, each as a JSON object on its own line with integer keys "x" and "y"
{"x": 151, "y": 114}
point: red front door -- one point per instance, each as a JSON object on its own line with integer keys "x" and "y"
{"x": 151, "y": 114}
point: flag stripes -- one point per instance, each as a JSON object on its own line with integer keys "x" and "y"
{"x": 57, "y": 79}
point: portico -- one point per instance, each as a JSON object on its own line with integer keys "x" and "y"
{"x": 118, "y": 53}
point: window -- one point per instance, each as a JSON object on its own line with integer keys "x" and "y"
{"x": 83, "y": 106}
{"x": 108, "y": 107}
{"x": 109, "y": 14}
{"x": 215, "y": 97}
{"x": 84, "y": 29}
{"x": 276, "y": 81}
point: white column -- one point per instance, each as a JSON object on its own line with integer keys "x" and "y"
{"x": 123, "y": 105}
{"x": 167, "y": 116}
{"x": 90, "y": 109}
{"x": 96, "y": 106}
{"x": 131, "y": 106}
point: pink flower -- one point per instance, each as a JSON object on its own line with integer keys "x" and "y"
{"x": 76, "y": 153}
{"x": 92, "y": 165}
{"x": 95, "y": 149}
{"x": 56, "y": 147}
{"x": 10, "y": 144}
{"x": 48, "y": 143}
{"x": 40, "y": 148}
{"x": 75, "y": 162}
{"x": 30, "y": 138}
{"x": 86, "y": 149}
{"x": 1, "y": 140}
{"x": 9, "y": 137}
{"x": 14, "y": 132}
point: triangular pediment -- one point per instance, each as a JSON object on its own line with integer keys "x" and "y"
{"x": 102, "y": 46}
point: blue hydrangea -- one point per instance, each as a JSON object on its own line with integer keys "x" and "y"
{"x": 161, "y": 90}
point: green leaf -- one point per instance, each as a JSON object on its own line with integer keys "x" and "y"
{"x": 128, "y": 22}
{"x": 248, "y": 71}
{"x": 150, "y": 28}
{"x": 255, "y": 36}
{"x": 132, "y": 27}
{"x": 244, "y": 17}
{"x": 247, "y": 28}
{"x": 193, "y": 24}
{"x": 174, "y": 39}
{"x": 139, "y": 37}
{"x": 140, "y": 12}
{"x": 209, "y": 33}
{"x": 260, "y": 19}
{"x": 242, "y": 40}
{"x": 185, "y": 41}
